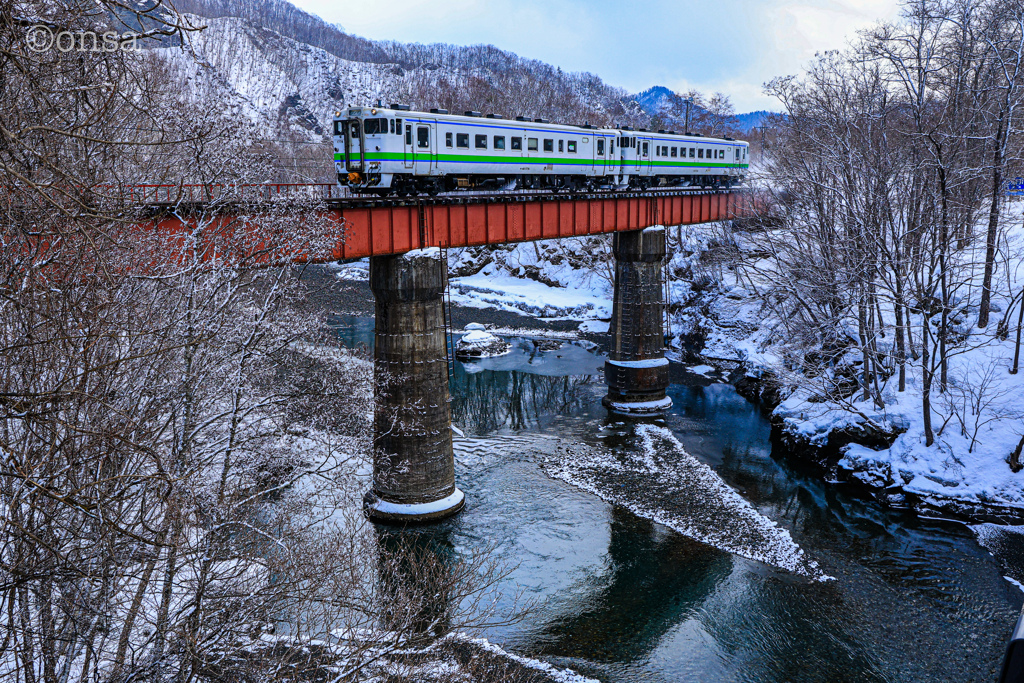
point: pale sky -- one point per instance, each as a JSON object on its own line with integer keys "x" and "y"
{"x": 732, "y": 46}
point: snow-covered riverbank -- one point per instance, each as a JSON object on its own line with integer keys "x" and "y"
{"x": 728, "y": 316}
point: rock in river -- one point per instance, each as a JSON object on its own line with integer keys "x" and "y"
{"x": 478, "y": 344}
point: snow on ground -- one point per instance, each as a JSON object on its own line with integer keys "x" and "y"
{"x": 508, "y": 293}
{"x": 662, "y": 482}
{"x": 594, "y": 326}
{"x": 548, "y": 279}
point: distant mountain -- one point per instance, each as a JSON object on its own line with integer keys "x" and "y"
{"x": 657, "y": 101}
{"x": 750, "y": 121}
{"x": 654, "y": 100}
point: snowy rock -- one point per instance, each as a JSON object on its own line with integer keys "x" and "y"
{"x": 475, "y": 326}
{"x": 479, "y": 344}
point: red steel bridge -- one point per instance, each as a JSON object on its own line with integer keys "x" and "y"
{"x": 376, "y": 226}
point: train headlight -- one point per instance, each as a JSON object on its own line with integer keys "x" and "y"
{"x": 373, "y": 111}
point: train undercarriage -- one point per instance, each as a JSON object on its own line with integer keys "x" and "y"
{"x": 405, "y": 185}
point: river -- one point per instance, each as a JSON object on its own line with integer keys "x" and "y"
{"x": 622, "y": 598}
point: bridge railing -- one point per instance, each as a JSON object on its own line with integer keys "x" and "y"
{"x": 195, "y": 194}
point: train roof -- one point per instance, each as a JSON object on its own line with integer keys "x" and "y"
{"x": 522, "y": 122}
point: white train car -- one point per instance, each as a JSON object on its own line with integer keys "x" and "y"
{"x": 385, "y": 150}
{"x": 669, "y": 159}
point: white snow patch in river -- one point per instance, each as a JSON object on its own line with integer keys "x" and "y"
{"x": 664, "y": 483}
{"x": 553, "y": 672}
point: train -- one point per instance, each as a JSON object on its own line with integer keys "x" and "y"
{"x": 396, "y": 150}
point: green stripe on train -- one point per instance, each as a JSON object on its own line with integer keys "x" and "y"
{"x": 543, "y": 161}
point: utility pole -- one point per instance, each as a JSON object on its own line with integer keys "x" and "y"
{"x": 764, "y": 140}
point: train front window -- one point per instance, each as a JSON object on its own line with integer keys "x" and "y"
{"x": 339, "y": 127}
{"x": 355, "y": 129}
{"x": 375, "y": 126}
{"x": 517, "y": 143}
{"x": 422, "y": 137}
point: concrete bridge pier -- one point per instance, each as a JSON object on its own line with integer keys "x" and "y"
{"x": 636, "y": 370}
{"x": 413, "y": 462}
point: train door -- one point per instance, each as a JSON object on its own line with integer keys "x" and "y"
{"x": 623, "y": 151}
{"x": 644, "y": 149}
{"x": 408, "y": 151}
{"x": 423, "y": 138}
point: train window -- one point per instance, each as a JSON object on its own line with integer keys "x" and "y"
{"x": 692, "y": 152}
{"x": 447, "y": 139}
{"x": 422, "y": 137}
{"x": 600, "y": 147}
{"x": 675, "y": 151}
{"x": 645, "y": 149}
{"x": 481, "y": 142}
{"x": 657, "y": 150}
{"x": 561, "y": 145}
{"x": 355, "y": 129}
{"x": 391, "y": 124}
{"x": 737, "y": 154}
{"x": 517, "y": 143}
{"x": 375, "y": 126}
{"x": 611, "y": 147}
{"x": 572, "y": 146}
{"x": 531, "y": 144}
{"x": 700, "y": 154}
{"x": 549, "y": 145}
{"x": 398, "y": 126}
{"x": 624, "y": 141}
{"x": 339, "y": 127}
{"x": 462, "y": 140}
{"x": 408, "y": 135}
{"x": 499, "y": 142}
